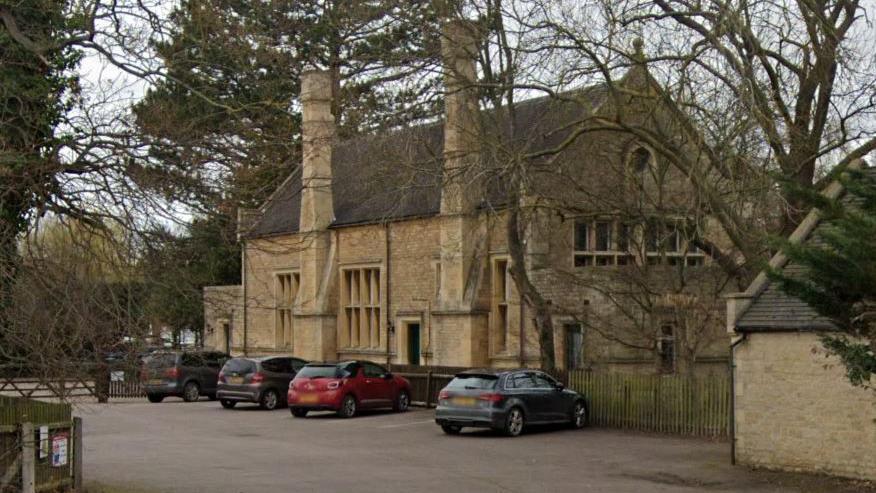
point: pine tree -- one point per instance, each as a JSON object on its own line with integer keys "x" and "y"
{"x": 840, "y": 280}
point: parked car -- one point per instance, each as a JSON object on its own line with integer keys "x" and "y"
{"x": 346, "y": 388}
{"x": 183, "y": 373}
{"x": 507, "y": 401}
{"x": 260, "y": 380}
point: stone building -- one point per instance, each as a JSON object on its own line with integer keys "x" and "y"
{"x": 794, "y": 408}
{"x": 393, "y": 247}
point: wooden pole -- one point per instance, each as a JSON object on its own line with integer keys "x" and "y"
{"x": 429, "y": 388}
{"x": 77, "y": 454}
{"x": 28, "y": 459}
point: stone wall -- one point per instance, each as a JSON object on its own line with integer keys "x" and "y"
{"x": 223, "y": 311}
{"x": 796, "y": 411}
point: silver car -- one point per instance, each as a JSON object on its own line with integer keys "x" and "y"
{"x": 260, "y": 380}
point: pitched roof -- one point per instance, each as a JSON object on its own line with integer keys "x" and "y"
{"x": 397, "y": 174}
{"x": 771, "y": 308}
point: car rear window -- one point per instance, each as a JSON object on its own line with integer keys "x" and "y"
{"x": 165, "y": 360}
{"x": 473, "y": 382}
{"x": 320, "y": 372}
{"x": 240, "y": 366}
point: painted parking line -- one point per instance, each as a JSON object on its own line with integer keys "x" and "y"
{"x": 413, "y": 423}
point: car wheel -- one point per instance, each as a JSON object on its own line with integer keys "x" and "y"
{"x": 514, "y": 422}
{"x": 154, "y": 398}
{"x": 451, "y": 429}
{"x": 191, "y": 392}
{"x": 270, "y": 400}
{"x": 579, "y": 415}
{"x": 348, "y": 407}
{"x": 227, "y": 404}
{"x": 298, "y": 412}
{"x": 402, "y": 402}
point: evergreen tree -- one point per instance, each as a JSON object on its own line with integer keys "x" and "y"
{"x": 228, "y": 113}
{"x": 36, "y": 86}
{"x": 840, "y": 281}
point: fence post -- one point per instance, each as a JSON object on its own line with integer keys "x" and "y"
{"x": 28, "y": 459}
{"x": 77, "y": 454}
{"x": 428, "y": 388}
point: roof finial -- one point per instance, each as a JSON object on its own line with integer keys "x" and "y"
{"x": 638, "y": 48}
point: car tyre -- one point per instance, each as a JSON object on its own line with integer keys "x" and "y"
{"x": 269, "y": 400}
{"x": 155, "y": 398}
{"x": 227, "y": 404}
{"x": 298, "y": 412}
{"x": 402, "y": 402}
{"x": 191, "y": 392}
{"x": 514, "y": 422}
{"x": 348, "y": 407}
{"x": 451, "y": 429}
{"x": 579, "y": 415}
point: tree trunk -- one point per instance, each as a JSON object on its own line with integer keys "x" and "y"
{"x": 529, "y": 294}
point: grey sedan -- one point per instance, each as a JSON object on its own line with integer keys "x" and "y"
{"x": 507, "y": 401}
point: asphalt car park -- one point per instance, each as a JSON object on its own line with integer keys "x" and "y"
{"x": 187, "y": 447}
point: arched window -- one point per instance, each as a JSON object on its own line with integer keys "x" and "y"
{"x": 640, "y": 159}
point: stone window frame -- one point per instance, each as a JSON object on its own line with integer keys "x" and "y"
{"x": 621, "y": 252}
{"x": 501, "y": 294}
{"x": 285, "y": 300}
{"x": 352, "y": 310}
{"x": 589, "y": 255}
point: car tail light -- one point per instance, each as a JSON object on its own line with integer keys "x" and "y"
{"x": 257, "y": 378}
{"x": 444, "y": 394}
{"x": 334, "y": 385}
{"x": 493, "y": 398}
{"x": 172, "y": 372}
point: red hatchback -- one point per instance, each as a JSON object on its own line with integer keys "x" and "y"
{"x": 345, "y": 388}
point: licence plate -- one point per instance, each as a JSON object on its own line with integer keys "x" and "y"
{"x": 308, "y": 398}
{"x": 235, "y": 380}
{"x": 154, "y": 381}
{"x": 464, "y": 401}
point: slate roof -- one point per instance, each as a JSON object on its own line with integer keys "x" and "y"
{"x": 774, "y": 310}
{"x": 397, "y": 174}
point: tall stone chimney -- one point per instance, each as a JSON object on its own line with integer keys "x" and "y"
{"x": 315, "y": 329}
{"x": 462, "y": 140}
{"x": 318, "y": 131}
{"x": 461, "y": 115}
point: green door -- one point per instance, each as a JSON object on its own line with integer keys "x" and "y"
{"x": 414, "y": 344}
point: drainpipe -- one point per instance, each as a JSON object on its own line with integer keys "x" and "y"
{"x": 389, "y": 326}
{"x": 733, "y": 397}
{"x": 245, "y": 301}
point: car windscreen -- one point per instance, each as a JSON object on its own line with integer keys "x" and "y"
{"x": 473, "y": 382}
{"x": 161, "y": 360}
{"x": 320, "y": 372}
{"x": 240, "y": 366}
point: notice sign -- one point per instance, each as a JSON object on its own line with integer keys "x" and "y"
{"x": 44, "y": 442}
{"x": 59, "y": 449}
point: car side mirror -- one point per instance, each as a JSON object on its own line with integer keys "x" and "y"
{"x": 559, "y": 387}
{"x": 387, "y": 376}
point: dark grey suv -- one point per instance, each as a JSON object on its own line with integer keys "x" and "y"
{"x": 186, "y": 374}
{"x": 260, "y": 380}
{"x": 507, "y": 401}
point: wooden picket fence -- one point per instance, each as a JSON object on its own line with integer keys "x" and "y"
{"x": 676, "y": 404}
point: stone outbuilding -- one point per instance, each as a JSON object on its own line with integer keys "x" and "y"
{"x": 393, "y": 246}
{"x": 794, "y": 408}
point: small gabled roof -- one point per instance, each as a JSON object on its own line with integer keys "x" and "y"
{"x": 772, "y": 309}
